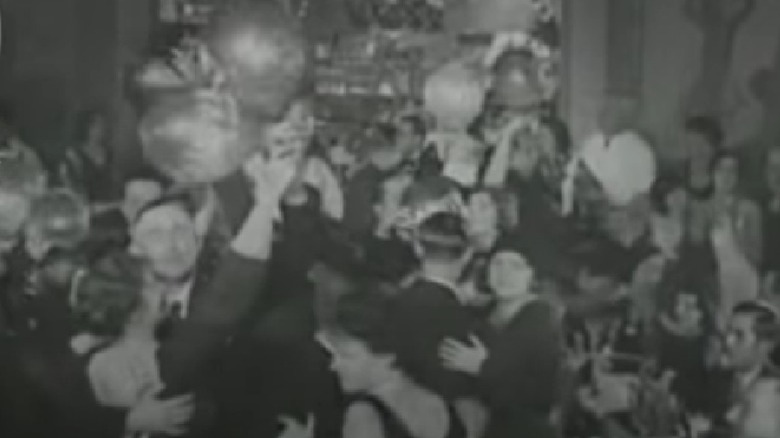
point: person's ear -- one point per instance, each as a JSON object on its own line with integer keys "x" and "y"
{"x": 134, "y": 248}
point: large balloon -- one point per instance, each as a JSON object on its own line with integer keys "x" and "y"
{"x": 263, "y": 57}
{"x": 59, "y": 218}
{"x": 454, "y": 95}
{"x": 197, "y": 137}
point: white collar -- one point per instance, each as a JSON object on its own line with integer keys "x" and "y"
{"x": 180, "y": 295}
{"x": 449, "y": 285}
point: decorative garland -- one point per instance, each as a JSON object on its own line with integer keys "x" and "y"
{"x": 418, "y": 15}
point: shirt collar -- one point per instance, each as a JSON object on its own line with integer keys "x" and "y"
{"x": 452, "y": 287}
{"x": 179, "y": 295}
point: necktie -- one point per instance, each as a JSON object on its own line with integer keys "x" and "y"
{"x": 176, "y": 310}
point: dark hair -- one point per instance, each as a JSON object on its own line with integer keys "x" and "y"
{"x": 662, "y": 188}
{"x": 416, "y": 122}
{"x": 766, "y": 323}
{"x": 366, "y": 316}
{"x": 443, "y": 236}
{"x": 183, "y": 200}
{"x": 106, "y": 295}
{"x": 708, "y": 128}
{"x": 603, "y": 258}
{"x": 339, "y": 253}
{"x": 427, "y": 188}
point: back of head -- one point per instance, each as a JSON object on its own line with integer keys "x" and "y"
{"x": 263, "y": 55}
{"x": 105, "y": 296}
{"x": 443, "y": 237}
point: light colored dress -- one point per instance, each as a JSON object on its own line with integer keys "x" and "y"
{"x": 122, "y": 374}
{"x": 737, "y": 277}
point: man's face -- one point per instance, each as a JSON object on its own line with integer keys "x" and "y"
{"x": 745, "y": 351}
{"x": 166, "y": 237}
{"x": 698, "y": 149}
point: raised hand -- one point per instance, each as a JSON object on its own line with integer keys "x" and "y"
{"x": 152, "y": 415}
{"x": 579, "y": 354}
{"x": 294, "y": 429}
{"x": 458, "y": 356}
{"x": 271, "y": 174}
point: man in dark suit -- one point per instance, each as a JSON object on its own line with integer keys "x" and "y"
{"x": 187, "y": 354}
{"x": 432, "y": 309}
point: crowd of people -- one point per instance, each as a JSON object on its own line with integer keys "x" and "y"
{"x": 497, "y": 282}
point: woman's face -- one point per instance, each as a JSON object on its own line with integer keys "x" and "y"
{"x": 509, "y": 275}
{"x": 699, "y": 150}
{"x": 301, "y": 117}
{"x": 725, "y": 175}
{"x": 358, "y": 368}
{"x": 526, "y": 154}
{"x": 483, "y": 212}
{"x": 284, "y": 138}
{"x": 687, "y": 309}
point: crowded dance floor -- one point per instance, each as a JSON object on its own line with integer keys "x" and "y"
{"x": 394, "y": 219}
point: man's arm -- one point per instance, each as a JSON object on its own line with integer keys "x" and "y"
{"x": 194, "y": 342}
{"x": 217, "y": 314}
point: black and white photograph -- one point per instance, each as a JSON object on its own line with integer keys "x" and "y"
{"x": 390, "y": 218}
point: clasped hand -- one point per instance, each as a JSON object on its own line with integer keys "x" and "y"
{"x": 463, "y": 357}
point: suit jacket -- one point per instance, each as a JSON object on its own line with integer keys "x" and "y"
{"x": 520, "y": 377}
{"x": 423, "y": 316}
